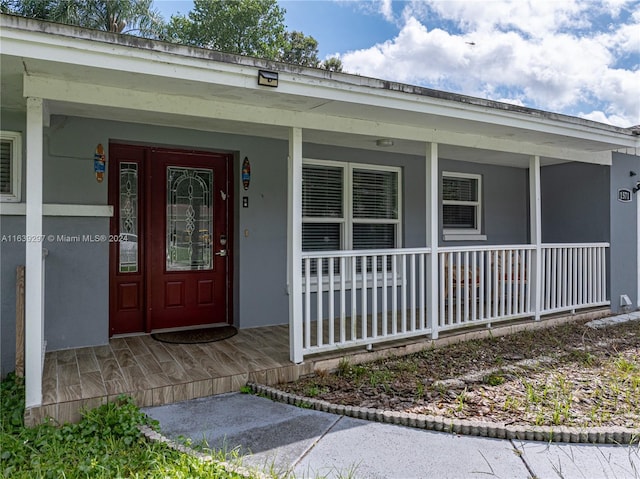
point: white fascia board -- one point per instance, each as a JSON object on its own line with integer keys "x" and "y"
{"x": 69, "y": 50}
{"x": 415, "y": 103}
{"x": 129, "y": 99}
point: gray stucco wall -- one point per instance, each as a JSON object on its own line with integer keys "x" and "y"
{"x": 575, "y": 203}
{"x": 11, "y": 256}
{"x": 624, "y": 239}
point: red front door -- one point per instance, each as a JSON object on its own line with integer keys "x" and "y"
{"x": 171, "y": 249}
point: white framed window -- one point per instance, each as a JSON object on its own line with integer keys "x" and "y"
{"x": 461, "y": 206}
{"x": 350, "y": 206}
{"x": 10, "y": 165}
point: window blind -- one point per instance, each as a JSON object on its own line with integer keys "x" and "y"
{"x": 459, "y": 189}
{"x": 320, "y": 236}
{"x": 322, "y": 191}
{"x": 5, "y": 167}
{"x": 375, "y": 194}
{"x": 374, "y": 236}
{"x": 459, "y": 216}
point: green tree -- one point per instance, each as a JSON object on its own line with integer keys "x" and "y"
{"x": 333, "y": 64}
{"x": 299, "y": 49}
{"x": 246, "y": 27}
{"x": 120, "y": 16}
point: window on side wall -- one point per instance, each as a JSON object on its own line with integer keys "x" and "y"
{"x": 350, "y": 206}
{"x": 462, "y": 206}
{"x": 10, "y": 163}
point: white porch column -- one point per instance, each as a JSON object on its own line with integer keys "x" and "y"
{"x": 535, "y": 218}
{"x": 432, "y": 231}
{"x": 294, "y": 245}
{"x": 34, "y": 316}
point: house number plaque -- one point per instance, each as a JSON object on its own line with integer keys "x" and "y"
{"x": 624, "y": 195}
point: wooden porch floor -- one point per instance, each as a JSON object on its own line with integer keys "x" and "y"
{"x": 156, "y": 373}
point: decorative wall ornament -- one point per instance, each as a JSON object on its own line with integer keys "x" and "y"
{"x": 99, "y": 162}
{"x": 246, "y": 173}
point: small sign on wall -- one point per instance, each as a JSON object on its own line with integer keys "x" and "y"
{"x": 624, "y": 195}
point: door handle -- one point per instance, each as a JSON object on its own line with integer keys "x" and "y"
{"x": 222, "y": 252}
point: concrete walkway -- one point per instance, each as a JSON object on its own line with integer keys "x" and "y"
{"x": 311, "y": 444}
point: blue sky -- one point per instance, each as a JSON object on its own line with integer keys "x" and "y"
{"x": 578, "y": 57}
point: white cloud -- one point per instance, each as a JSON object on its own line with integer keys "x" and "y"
{"x": 386, "y": 10}
{"x": 542, "y": 54}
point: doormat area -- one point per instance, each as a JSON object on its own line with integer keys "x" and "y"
{"x": 196, "y": 336}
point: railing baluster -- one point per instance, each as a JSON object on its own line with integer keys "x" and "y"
{"x": 466, "y": 286}
{"x": 343, "y": 305}
{"x": 516, "y": 281}
{"x": 528, "y": 274}
{"x": 450, "y": 275}
{"x": 332, "y": 315}
{"x": 307, "y": 302}
{"x": 522, "y": 280}
{"x": 474, "y": 286}
{"x": 552, "y": 278}
{"x": 569, "y": 277}
{"x": 374, "y": 296}
{"x": 603, "y": 275}
{"x": 394, "y": 298}
{"x": 364, "y": 320}
{"x": 442, "y": 290}
{"x": 496, "y": 275}
{"x": 412, "y": 290}
{"x": 592, "y": 275}
{"x": 403, "y": 297}
{"x": 502, "y": 282}
{"x": 546, "y": 280}
{"x": 384, "y": 290}
{"x": 565, "y": 271}
{"x": 483, "y": 297}
{"x": 489, "y": 266}
{"x": 422, "y": 288}
{"x": 319, "y": 298}
{"x": 458, "y": 288}
{"x": 509, "y": 279}
{"x": 580, "y": 276}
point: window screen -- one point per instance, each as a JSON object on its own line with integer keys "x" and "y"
{"x": 461, "y": 202}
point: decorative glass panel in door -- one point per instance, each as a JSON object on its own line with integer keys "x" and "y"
{"x": 128, "y": 224}
{"x": 189, "y": 219}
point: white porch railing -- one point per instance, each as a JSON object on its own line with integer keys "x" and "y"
{"x": 484, "y": 284}
{"x": 573, "y": 276}
{"x": 362, "y": 297}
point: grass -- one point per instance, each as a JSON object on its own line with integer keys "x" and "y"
{"x": 106, "y": 443}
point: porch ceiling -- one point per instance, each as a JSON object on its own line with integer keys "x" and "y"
{"x": 464, "y": 132}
